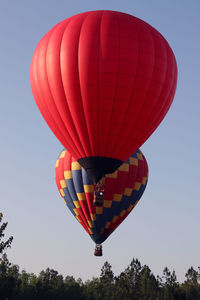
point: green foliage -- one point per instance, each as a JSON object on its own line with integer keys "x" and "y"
{"x": 9, "y": 275}
{"x": 191, "y": 285}
{"x": 93, "y": 289}
{"x": 136, "y": 282}
{"x": 4, "y": 244}
{"x": 106, "y": 281}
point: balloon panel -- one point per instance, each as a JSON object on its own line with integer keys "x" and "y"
{"x": 122, "y": 191}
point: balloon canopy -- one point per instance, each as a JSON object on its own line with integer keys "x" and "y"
{"x": 122, "y": 191}
{"x": 103, "y": 81}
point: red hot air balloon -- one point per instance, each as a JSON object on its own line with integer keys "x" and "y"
{"x": 121, "y": 192}
{"x": 103, "y": 81}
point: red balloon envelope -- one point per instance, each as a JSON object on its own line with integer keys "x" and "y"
{"x": 103, "y": 81}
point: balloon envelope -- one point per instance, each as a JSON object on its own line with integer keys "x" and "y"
{"x": 103, "y": 81}
{"x": 122, "y": 191}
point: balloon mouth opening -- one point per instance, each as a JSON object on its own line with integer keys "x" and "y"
{"x": 97, "y": 166}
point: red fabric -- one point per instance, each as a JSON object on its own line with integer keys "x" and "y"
{"x": 103, "y": 81}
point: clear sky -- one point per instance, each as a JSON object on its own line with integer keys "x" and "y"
{"x": 164, "y": 227}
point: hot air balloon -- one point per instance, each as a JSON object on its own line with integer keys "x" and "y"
{"x": 119, "y": 193}
{"x": 103, "y": 81}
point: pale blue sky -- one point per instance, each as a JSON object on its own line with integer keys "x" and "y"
{"x": 164, "y": 227}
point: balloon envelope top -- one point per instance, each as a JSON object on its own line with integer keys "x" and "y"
{"x": 103, "y": 81}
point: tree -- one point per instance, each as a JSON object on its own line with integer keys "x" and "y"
{"x": 92, "y": 289}
{"x": 107, "y": 281}
{"x": 123, "y": 290}
{"x": 4, "y": 244}
{"x": 192, "y": 276}
{"x": 73, "y": 288}
{"x": 171, "y": 288}
{"x": 149, "y": 287}
{"x": 101, "y": 288}
{"x": 27, "y": 286}
{"x": 49, "y": 285}
{"x": 191, "y": 285}
{"x": 127, "y": 283}
{"x": 9, "y": 275}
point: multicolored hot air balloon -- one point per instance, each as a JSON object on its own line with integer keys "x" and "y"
{"x": 103, "y": 81}
{"x": 121, "y": 192}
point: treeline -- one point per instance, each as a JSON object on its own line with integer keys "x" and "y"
{"x": 136, "y": 282}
